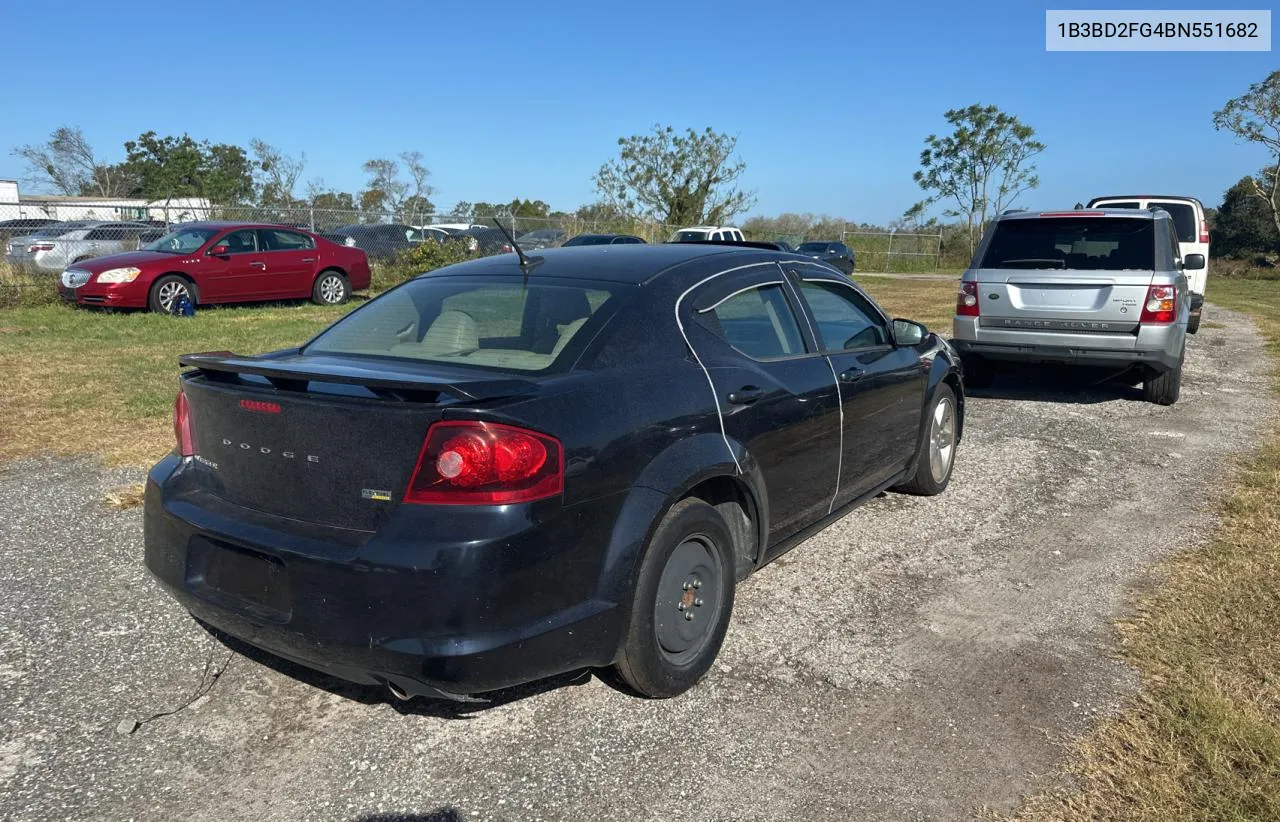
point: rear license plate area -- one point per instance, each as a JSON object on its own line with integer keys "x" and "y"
{"x": 238, "y": 578}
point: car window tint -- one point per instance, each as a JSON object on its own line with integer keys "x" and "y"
{"x": 1126, "y": 204}
{"x": 1184, "y": 218}
{"x": 1076, "y": 243}
{"x": 276, "y": 240}
{"x": 244, "y": 241}
{"x": 844, "y": 319}
{"x": 105, "y": 233}
{"x": 758, "y": 322}
{"x": 507, "y": 325}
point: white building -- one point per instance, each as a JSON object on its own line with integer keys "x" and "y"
{"x": 16, "y": 205}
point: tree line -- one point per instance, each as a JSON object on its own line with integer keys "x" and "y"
{"x": 978, "y": 168}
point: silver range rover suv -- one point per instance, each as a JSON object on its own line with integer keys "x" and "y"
{"x": 1104, "y": 287}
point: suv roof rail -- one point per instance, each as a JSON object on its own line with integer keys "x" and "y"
{"x": 739, "y": 243}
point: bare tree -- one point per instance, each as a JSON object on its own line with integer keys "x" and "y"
{"x": 275, "y": 172}
{"x": 1255, "y": 116}
{"x": 67, "y": 165}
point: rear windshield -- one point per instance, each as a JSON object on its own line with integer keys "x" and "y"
{"x": 1184, "y": 219}
{"x": 590, "y": 239}
{"x": 58, "y": 229}
{"x": 1077, "y": 243}
{"x": 815, "y": 248}
{"x": 688, "y": 236}
{"x": 499, "y": 323}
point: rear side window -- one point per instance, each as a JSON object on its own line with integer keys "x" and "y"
{"x": 758, "y": 322}
{"x": 494, "y": 323}
{"x": 275, "y": 240}
{"x": 1077, "y": 243}
{"x": 1184, "y": 219}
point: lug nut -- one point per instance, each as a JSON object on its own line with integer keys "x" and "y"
{"x": 680, "y": 606}
{"x": 688, "y": 615}
{"x": 698, "y": 602}
{"x": 697, "y": 583}
{"x": 686, "y": 586}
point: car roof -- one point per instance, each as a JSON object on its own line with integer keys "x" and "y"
{"x": 634, "y": 263}
{"x": 1175, "y": 197}
{"x": 220, "y": 224}
{"x": 1131, "y": 213}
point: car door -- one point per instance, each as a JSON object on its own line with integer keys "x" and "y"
{"x": 775, "y": 392}
{"x": 291, "y": 263}
{"x": 881, "y": 385}
{"x": 238, "y": 272}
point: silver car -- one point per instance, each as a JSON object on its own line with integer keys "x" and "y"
{"x": 53, "y": 248}
{"x": 1103, "y": 287}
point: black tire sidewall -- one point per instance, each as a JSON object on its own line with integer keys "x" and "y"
{"x": 924, "y": 483}
{"x": 643, "y": 665}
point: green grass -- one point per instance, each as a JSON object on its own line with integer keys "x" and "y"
{"x": 1201, "y": 740}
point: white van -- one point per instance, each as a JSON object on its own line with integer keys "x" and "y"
{"x": 1193, "y": 234}
{"x": 701, "y": 233}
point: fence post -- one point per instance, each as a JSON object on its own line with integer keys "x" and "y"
{"x": 937, "y": 256}
{"x": 888, "y": 257}
{"x": 311, "y": 215}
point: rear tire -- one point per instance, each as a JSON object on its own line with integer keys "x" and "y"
{"x": 938, "y": 454}
{"x": 1193, "y": 323}
{"x": 165, "y": 292}
{"x": 1165, "y": 388}
{"x": 330, "y": 288}
{"x": 683, "y": 601}
{"x": 978, "y": 373}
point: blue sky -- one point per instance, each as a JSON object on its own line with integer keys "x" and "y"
{"x": 830, "y": 101}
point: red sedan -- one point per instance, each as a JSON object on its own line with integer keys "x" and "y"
{"x": 218, "y": 262}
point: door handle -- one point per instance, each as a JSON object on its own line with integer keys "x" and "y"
{"x": 257, "y": 264}
{"x": 308, "y": 259}
{"x": 852, "y": 375}
{"x": 745, "y": 395}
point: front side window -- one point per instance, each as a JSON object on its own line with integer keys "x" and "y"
{"x": 758, "y": 322}
{"x": 240, "y": 242}
{"x": 501, "y": 323}
{"x": 1074, "y": 243}
{"x": 845, "y": 320}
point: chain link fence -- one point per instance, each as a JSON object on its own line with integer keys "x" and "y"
{"x": 40, "y": 236}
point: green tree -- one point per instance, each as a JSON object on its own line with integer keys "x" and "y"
{"x": 1242, "y": 224}
{"x": 167, "y": 167}
{"x": 388, "y": 191}
{"x": 67, "y": 164}
{"x": 680, "y": 179}
{"x": 275, "y": 173}
{"x": 982, "y": 165}
{"x": 1255, "y": 116}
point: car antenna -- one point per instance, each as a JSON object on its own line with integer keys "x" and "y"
{"x": 526, "y": 263}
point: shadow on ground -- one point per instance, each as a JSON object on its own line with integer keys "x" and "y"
{"x": 1053, "y": 383}
{"x": 439, "y": 815}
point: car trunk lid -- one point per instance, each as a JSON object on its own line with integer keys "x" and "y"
{"x": 329, "y": 440}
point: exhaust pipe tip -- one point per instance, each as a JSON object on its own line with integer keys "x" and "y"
{"x": 398, "y": 692}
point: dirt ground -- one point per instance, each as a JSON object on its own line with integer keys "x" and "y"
{"x": 920, "y": 659}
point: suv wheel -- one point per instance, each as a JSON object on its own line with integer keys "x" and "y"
{"x": 938, "y": 455}
{"x": 1193, "y": 323}
{"x": 1164, "y": 389}
{"x": 683, "y": 599}
{"x": 330, "y": 288}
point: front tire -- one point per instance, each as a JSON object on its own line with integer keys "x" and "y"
{"x": 683, "y": 600}
{"x": 166, "y": 291}
{"x": 330, "y": 288}
{"x": 1164, "y": 389}
{"x": 938, "y": 456}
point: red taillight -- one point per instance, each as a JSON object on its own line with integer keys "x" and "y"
{"x": 40, "y": 247}
{"x": 485, "y": 463}
{"x": 1204, "y": 231}
{"x": 507, "y": 249}
{"x": 182, "y": 426}
{"x": 967, "y": 300}
{"x": 260, "y": 406}
{"x": 1161, "y": 305}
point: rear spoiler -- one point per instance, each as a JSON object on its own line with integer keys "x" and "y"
{"x": 226, "y": 367}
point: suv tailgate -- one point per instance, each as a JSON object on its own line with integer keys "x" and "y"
{"x": 1108, "y": 302}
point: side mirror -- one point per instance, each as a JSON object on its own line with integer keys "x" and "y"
{"x": 218, "y": 250}
{"x": 1193, "y": 262}
{"x": 908, "y": 333}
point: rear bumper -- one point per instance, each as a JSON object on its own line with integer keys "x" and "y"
{"x": 1158, "y": 348}
{"x": 427, "y": 616}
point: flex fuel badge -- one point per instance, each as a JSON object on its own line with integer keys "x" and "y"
{"x": 375, "y": 494}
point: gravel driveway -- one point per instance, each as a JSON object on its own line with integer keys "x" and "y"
{"x": 917, "y": 660}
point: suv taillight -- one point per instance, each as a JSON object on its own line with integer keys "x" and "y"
{"x": 182, "y": 426}
{"x": 967, "y": 300}
{"x": 1161, "y": 306}
{"x": 485, "y": 463}
{"x": 1204, "y": 230}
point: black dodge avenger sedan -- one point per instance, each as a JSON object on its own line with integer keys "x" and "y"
{"x": 499, "y": 472}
